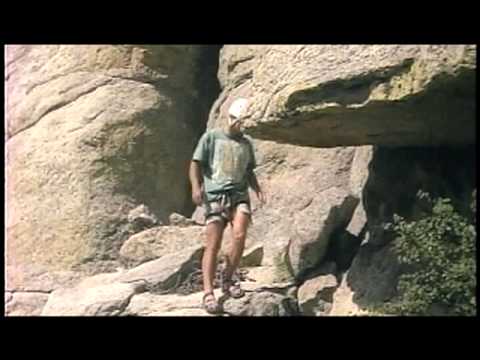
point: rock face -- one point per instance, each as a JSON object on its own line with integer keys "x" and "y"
{"x": 395, "y": 176}
{"x": 311, "y": 192}
{"x": 373, "y": 275}
{"x": 326, "y": 96}
{"x": 98, "y": 144}
{"x": 93, "y": 132}
{"x": 344, "y": 95}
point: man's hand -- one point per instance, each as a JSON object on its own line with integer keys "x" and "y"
{"x": 196, "y": 180}
{"x": 261, "y": 197}
{"x": 197, "y": 196}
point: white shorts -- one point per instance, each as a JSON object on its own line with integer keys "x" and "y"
{"x": 219, "y": 213}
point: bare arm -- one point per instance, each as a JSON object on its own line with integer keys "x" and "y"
{"x": 196, "y": 177}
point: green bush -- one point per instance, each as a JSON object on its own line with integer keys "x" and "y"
{"x": 439, "y": 256}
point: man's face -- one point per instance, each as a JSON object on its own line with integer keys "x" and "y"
{"x": 236, "y": 124}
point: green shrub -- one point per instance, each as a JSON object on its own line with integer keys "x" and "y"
{"x": 439, "y": 256}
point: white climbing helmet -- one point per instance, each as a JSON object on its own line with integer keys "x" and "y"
{"x": 237, "y": 110}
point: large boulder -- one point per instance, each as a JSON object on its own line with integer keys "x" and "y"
{"x": 103, "y": 300}
{"x": 331, "y": 209}
{"x": 344, "y": 95}
{"x": 94, "y": 131}
{"x": 373, "y": 275}
{"x": 358, "y": 178}
{"x": 344, "y": 243}
{"x": 167, "y": 271}
{"x": 315, "y": 296}
{"x": 160, "y": 241}
{"x": 109, "y": 294}
{"x": 99, "y": 295}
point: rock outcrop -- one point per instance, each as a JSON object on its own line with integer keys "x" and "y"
{"x": 344, "y": 95}
{"x": 93, "y": 132}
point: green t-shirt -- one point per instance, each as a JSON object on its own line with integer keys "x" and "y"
{"x": 226, "y": 161}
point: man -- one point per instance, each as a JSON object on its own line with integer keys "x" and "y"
{"x": 221, "y": 171}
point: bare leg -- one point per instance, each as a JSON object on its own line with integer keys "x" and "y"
{"x": 209, "y": 261}
{"x": 240, "y": 225}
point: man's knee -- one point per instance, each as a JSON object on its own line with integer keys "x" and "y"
{"x": 239, "y": 235}
{"x": 241, "y": 221}
{"x": 214, "y": 236}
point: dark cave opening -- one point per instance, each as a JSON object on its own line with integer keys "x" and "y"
{"x": 208, "y": 88}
